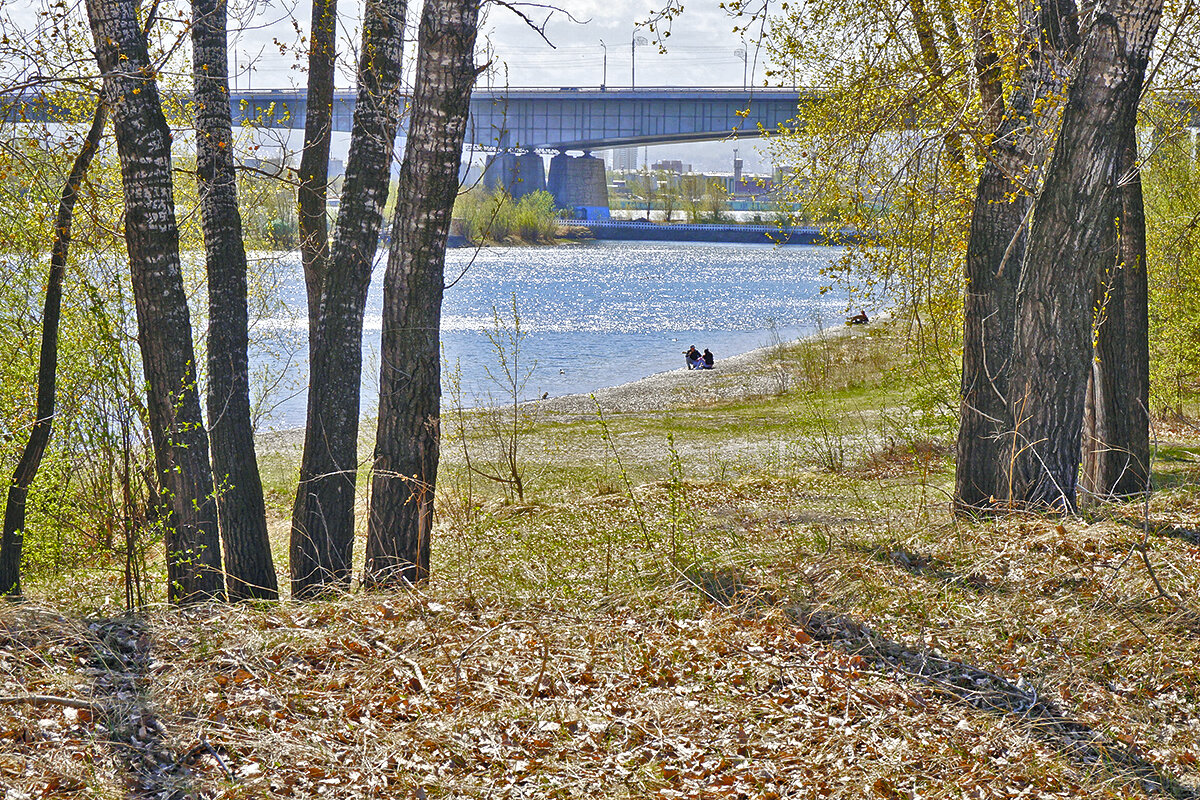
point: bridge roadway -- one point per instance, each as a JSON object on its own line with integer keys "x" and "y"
{"x": 569, "y": 118}
{"x": 517, "y": 124}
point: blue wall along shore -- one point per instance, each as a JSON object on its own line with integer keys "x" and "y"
{"x": 641, "y": 230}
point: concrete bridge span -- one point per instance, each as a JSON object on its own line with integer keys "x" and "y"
{"x": 518, "y": 123}
{"x": 568, "y": 118}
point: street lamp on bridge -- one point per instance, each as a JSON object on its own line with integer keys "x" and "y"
{"x": 604, "y": 74}
{"x": 741, "y": 53}
{"x": 633, "y": 45}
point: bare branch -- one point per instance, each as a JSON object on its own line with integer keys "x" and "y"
{"x": 539, "y": 28}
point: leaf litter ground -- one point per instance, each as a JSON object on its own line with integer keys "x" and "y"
{"x": 798, "y": 635}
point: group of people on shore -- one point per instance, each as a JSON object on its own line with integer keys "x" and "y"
{"x": 698, "y": 360}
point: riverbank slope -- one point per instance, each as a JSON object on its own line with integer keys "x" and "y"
{"x": 762, "y": 595}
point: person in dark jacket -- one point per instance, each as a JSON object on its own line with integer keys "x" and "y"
{"x": 708, "y": 359}
{"x": 694, "y": 359}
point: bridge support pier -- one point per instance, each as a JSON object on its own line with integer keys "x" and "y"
{"x": 518, "y": 174}
{"x": 579, "y": 185}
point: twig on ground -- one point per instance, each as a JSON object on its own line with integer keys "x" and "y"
{"x": 48, "y": 699}
{"x": 416, "y": 668}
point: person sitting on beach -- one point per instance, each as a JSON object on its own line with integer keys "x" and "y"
{"x": 694, "y": 359}
{"x": 858, "y": 319}
{"x": 708, "y": 359}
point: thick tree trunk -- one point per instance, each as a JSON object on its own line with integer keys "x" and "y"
{"x": 188, "y": 516}
{"x": 994, "y": 254}
{"x": 408, "y": 440}
{"x": 323, "y": 518}
{"x": 1116, "y": 437}
{"x": 314, "y": 159}
{"x": 47, "y": 379}
{"x": 241, "y": 511}
{"x": 1052, "y": 351}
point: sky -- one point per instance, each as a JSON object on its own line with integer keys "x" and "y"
{"x": 701, "y": 51}
{"x": 590, "y": 44}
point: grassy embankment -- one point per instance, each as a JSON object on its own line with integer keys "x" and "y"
{"x": 677, "y": 609}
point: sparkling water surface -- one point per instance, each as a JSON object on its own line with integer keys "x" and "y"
{"x": 597, "y": 314}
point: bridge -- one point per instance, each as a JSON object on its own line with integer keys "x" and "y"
{"x": 568, "y": 118}
{"x": 519, "y": 124}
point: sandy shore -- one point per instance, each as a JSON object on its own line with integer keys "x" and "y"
{"x": 730, "y": 378}
{"x": 734, "y": 378}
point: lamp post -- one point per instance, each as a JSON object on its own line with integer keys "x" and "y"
{"x": 633, "y": 45}
{"x": 604, "y": 75}
{"x": 741, "y": 53}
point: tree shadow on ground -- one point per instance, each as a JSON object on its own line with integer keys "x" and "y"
{"x": 963, "y": 683}
{"x": 928, "y": 566}
{"x": 1161, "y": 529}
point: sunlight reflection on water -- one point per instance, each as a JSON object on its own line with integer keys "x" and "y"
{"x": 599, "y": 314}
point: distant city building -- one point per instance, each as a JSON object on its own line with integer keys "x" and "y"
{"x": 624, "y": 159}
{"x": 735, "y": 184}
{"x": 672, "y": 165}
{"x": 786, "y": 175}
{"x": 273, "y": 161}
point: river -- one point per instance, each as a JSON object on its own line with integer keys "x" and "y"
{"x": 595, "y": 314}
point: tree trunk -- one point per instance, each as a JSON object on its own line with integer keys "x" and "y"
{"x": 935, "y": 77}
{"x": 323, "y": 518}
{"x": 39, "y": 437}
{"x": 1116, "y": 437}
{"x": 989, "y": 73}
{"x": 188, "y": 516}
{"x": 1052, "y": 351}
{"x": 314, "y": 159}
{"x": 240, "y": 508}
{"x": 994, "y": 254}
{"x": 408, "y": 440}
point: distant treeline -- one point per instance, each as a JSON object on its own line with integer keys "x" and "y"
{"x": 494, "y": 217}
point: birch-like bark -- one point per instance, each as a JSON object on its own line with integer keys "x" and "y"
{"x": 241, "y": 511}
{"x": 408, "y": 443}
{"x": 996, "y": 248}
{"x": 39, "y": 438}
{"x": 188, "y": 513}
{"x": 322, "y": 537}
{"x": 1052, "y": 351}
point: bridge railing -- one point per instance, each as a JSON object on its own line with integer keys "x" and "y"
{"x": 686, "y": 226}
